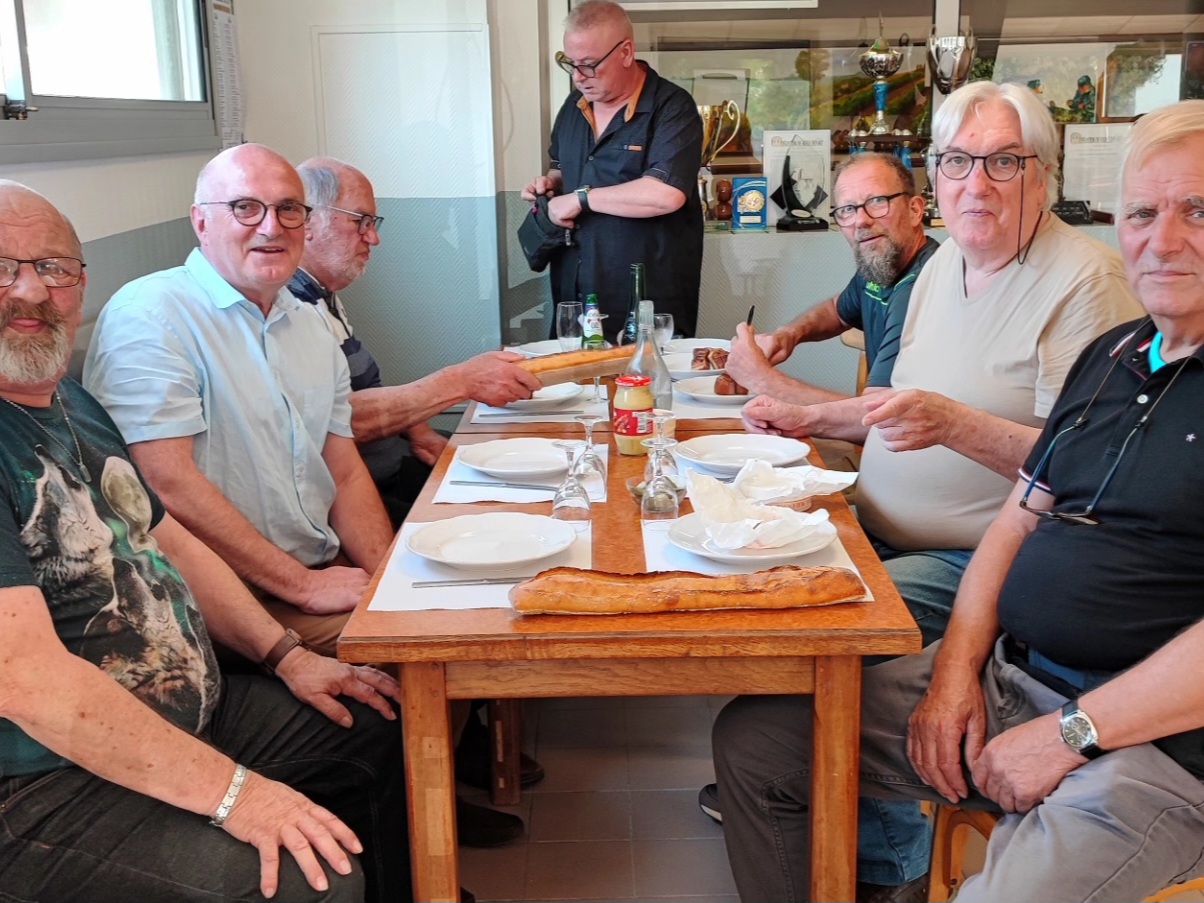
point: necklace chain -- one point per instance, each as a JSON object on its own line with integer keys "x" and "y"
{"x": 78, "y": 459}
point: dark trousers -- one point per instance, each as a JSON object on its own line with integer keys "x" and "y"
{"x": 69, "y": 835}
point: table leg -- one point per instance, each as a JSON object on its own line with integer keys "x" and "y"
{"x": 505, "y": 750}
{"x": 834, "y": 777}
{"x": 430, "y": 788}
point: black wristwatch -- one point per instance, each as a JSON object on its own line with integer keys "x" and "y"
{"x": 1078, "y": 731}
{"x": 583, "y": 197}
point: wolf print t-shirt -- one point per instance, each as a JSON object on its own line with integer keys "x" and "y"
{"x": 82, "y": 536}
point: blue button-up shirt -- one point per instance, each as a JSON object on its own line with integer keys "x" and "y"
{"x": 182, "y": 353}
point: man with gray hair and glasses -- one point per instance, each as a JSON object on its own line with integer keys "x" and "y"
{"x": 996, "y": 319}
{"x": 1066, "y": 692}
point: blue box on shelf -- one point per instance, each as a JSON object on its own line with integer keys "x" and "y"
{"x": 749, "y": 205}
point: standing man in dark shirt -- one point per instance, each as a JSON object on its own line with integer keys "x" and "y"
{"x": 625, "y": 153}
{"x": 881, "y": 216}
{"x": 1066, "y": 691}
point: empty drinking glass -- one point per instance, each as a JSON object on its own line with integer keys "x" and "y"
{"x": 662, "y": 329}
{"x": 571, "y": 502}
{"x": 659, "y": 504}
{"x": 663, "y": 454}
{"x": 590, "y": 462}
{"x": 569, "y": 327}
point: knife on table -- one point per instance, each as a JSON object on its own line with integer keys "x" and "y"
{"x": 480, "y": 581}
{"x": 537, "y": 486}
{"x": 525, "y": 413}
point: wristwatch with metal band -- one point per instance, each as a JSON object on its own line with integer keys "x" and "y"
{"x": 1078, "y": 731}
{"x": 583, "y": 197}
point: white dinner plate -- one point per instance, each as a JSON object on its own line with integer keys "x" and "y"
{"x": 728, "y": 452}
{"x": 499, "y": 539}
{"x": 702, "y": 388}
{"x": 678, "y": 363}
{"x": 539, "y": 349}
{"x": 689, "y": 533}
{"x": 548, "y": 398}
{"x": 676, "y": 345}
{"x": 528, "y": 457}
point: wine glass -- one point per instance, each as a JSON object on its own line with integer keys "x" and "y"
{"x": 665, "y": 462}
{"x": 569, "y": 329}
{"x": 571, "y": 502}
{"x": 662, "y": 328}
{"x": 590, "y": 462}
{"x": 659, "y": 505}
{"x": 597, "y": 397}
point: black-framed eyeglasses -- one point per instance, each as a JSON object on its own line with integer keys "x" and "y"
{"x": 1087, "y": 515}
{"x": 1000, "y": 167}
{"x": 55, "y": 272}
{"x": 877, "y": 207}
{"x": 587, "y": 70}
{"x": 251, "y": 212}
{"x": 366, "y": 220}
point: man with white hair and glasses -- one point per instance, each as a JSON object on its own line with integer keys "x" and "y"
{"x": 997, "y": 317}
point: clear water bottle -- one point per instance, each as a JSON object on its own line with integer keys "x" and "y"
{"x": 647, "y": 360}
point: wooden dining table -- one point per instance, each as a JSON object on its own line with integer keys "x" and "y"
{"x": 495, "y": 653}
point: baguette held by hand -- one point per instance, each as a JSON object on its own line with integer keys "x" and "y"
{"x": 570, "y": 366}
{"x": 573, "y": 591}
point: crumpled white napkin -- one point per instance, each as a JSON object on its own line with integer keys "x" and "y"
{"x": 760, "y": 481}
{"x": 733, "y": 522}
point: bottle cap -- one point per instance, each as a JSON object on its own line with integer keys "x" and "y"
{"x": 632, "y": 379}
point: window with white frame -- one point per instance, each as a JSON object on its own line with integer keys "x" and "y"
{"x": 86, "y": 79}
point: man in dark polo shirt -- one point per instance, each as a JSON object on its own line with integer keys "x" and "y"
{"x": 881, "y": 216}
{"x": 625, "y": 153}
{"x": 1066, "y": 691}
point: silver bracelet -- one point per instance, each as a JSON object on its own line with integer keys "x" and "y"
{"x": 231, "y": 797}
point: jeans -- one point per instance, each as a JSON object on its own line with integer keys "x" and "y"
{"x": 894, "y": 839}
{"x": 1116, "y": 828}
{"x": 70, "y": 835}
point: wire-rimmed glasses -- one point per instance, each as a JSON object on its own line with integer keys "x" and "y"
{"x": 366, "y": 220}
{"x": 875, "y": 207}
{"x": 590, "y": 462}
{"x": 251, "y": 212}
{"x": 587, "y": 70}
{"x": 54, "y": 272}
{"x": 571, "y": 502}
{"x": 1000, "y": 167}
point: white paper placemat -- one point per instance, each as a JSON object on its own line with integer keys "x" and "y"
{"x": 396, "y": 591}
{"x": 458, "y": 470}
{"x": 580, "y": 403}
{"x": 662, "y": 555}
{"x": 686, "y": 408}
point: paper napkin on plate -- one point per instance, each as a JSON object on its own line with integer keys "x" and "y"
{"x": 733, "y": 522}
{"x": 760, "y": 481}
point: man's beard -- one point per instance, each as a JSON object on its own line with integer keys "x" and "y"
{"x": 26, "y": 360}
{"x": 881, "y": 264}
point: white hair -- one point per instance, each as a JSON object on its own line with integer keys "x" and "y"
{"x": 1036, "y": 125}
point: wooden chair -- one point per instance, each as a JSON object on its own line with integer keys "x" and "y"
{"x": 949, "y": 835}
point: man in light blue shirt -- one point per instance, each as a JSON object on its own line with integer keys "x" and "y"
{"x": 233, "y": 397}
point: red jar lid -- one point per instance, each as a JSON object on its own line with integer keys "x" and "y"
{"x": 631, "y": 379}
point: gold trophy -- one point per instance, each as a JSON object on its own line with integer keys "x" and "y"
{"x": 716, "y": 119}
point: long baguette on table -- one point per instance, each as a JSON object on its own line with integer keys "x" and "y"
{"x": 570, "y": 366}
{"x": 574, "y": 591}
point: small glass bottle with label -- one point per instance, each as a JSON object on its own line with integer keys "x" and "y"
{"x": 632, "y": 413}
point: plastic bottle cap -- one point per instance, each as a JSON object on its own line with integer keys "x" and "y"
{"x": 632, "y": 379}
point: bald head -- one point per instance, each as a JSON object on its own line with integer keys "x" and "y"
{"x": 38, "y": 315}
{"x": 257, "y": 258}
{"x": 21, "y": 203}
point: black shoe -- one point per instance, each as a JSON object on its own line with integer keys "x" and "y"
{"x": 708, "y": 802}
{"x": 481, "y": 827}
{"x": 912, "y": 892}
{"x": 473, "y": 761}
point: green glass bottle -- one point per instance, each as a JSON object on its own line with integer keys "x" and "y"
{"x": 631, "y": 328}
{"x": 592, "y": 337}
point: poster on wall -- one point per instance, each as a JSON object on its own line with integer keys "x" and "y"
{"x": 1091, "y": 170}
{"x": 227, "y": 74}
{"x": 798, "y": 167}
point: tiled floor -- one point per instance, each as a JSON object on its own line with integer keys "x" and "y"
{"x": 616, "y": 818}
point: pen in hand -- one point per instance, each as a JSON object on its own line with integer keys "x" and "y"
{"x": 751, "y": 311}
